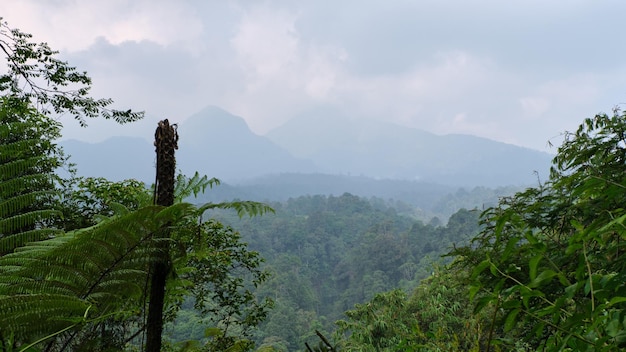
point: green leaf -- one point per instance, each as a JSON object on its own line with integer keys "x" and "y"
{"x": 543, "y": 277}
{"x": 511, "y": 321}
{"x": 616, "y": 300}
{"x": 570, "y": 290}
{"x": 480, "y": 268}
{"x": 482, "y": 302}
{"x": 473, "y": 290}
{"x": 532, "y": 265}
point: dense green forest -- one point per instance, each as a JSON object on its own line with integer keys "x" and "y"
{"x": 542, "y": 270}
{"x": 325, "y": 254}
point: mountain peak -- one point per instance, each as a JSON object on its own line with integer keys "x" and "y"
{"x": 212, "y": 122}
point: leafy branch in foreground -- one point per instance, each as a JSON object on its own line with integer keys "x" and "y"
{"x": 35, "y": 74}
{"x": 553, "y": 256}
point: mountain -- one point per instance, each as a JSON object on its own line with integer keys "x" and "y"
{"x": 219, "y": 144}
{"x": 212, "y": 142}
{"x": 116, "y": 158}
{"x": 338, "y": 144}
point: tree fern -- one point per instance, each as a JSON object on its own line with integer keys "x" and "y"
{"x": 28, "y": 160}
{"x": 103, "y": 267}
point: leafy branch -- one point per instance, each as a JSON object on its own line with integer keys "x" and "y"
{"x": 51, "y": 84}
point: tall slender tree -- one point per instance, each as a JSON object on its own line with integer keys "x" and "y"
{"x": 166, "y": 143}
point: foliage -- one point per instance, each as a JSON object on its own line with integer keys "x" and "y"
{"x": 328, "y": 253}
{"x": 28, "y": 159}
{"x": 97, "y": 272}
{"x": 215, "y": 268}
{"x": 551, "y": 258}
{"x": 376, "y": 325}
{"x": 35, "y": 84}
{"x": 103, "y": 270}
{"x": 438, "y": 316}
{"x": 87, "y": 200}
{"x": 37, "y": 76}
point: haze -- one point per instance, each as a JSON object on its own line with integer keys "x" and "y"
{"x": 519, "y": 72}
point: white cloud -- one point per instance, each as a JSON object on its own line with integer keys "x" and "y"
{"x": 519, "y": 73}
{"x": 283, "y": 74}
{"x": 534, "y": 107}
{"x": 266, "y": 43}
{"x": 75, "y": 25}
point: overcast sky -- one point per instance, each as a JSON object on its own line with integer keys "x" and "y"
{"x": 520, "y": 72}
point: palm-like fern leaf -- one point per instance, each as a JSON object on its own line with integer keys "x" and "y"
{"x": 187, "y": 186}
{"x": 28, "y": 159}
{"x": 241, "y": 207}
{"x": 38, "y": 312}
{"x": 104, "y": 266}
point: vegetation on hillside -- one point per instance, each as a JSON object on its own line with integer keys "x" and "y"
{"x": 326, "y": 254}
{"x": 545, "y": 273}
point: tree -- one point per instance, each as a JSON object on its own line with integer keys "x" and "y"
{"x": 437, "y": 316}
{"x": 166, "y": 142}
{"x": 85, "y": 288}
{"x": 37, "y": 76}
{"x": 60, "y": 292}
{"x": 87, "y": 200}
{"x": 551, "y": 258}
{"x": 90, "y": 284}
{"x": 378, "y": 325}
{"x": 30, "y": 209}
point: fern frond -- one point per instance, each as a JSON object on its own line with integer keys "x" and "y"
{"x": 17, "y": 222}
{"x": 21, "y": 167}
{"x": 104, "y": 265}
{"x": 18, "y": 203}
{"x": 31, "y": 316}
{"x": 15, "y": 150}
{"x": 241, "y": 207}
{"x": 13, "y": 242}
{"x": 186, "y": 186}
{"x": 18, "y": 185}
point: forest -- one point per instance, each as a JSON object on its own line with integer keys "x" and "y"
{"x": 87, "y": 264}
{"x": 326, "y": 254}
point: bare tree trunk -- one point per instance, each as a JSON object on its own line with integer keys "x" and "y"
{"x": 166, "y": 142}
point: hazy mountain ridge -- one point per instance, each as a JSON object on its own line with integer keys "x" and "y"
{"x": 219, "y": 144}
{"x": 116, "y": 158}
{"x": 338, "y": 144}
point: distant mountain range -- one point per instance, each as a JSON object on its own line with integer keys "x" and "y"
{"x": 338, "y": 144}
{"x": 219, "y": 144}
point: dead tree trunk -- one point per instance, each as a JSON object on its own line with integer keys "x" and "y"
{"x": 166, "y": 142}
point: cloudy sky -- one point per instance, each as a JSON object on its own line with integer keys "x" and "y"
{"x": 516, "y": 71}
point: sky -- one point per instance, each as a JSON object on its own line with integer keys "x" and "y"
{"x": 520, "y": 72}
